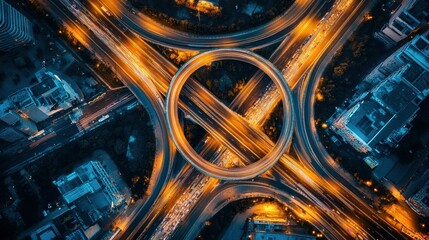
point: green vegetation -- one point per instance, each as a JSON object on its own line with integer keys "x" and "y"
{"x": 194, "y": 133}
{"x": 113, "y": 137}
{"x": 99, "y": 67}
{"x": 339, "y": 81}
{"x": 217, "y": 225}
{"x": 357, "y": 57}
{"x": 235, "y": 15}
{"x": 226, "y": 78}
{"x": 35, "y": 189}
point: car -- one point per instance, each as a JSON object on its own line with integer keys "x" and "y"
{"x": 103, "y": 118}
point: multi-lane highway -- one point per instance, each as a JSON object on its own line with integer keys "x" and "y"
{"x": 143, "y": 90}
{"x": 256, "y": 168}
{"x": 62, "y": 130}
{"x": 148, "y": 74}
{"x": 263, "y": 187}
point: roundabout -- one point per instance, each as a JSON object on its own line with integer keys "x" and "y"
{"x": 183, "y": 146}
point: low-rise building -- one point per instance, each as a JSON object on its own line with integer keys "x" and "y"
{"x": 53, "y": 93}
{"x": 91, "y": 190}
{"x": 9, "y": 134}
{"x": 46, "y": 232}
{"x": 24, "y": 102}
{"x": 420, "y": 201}
{"x": 13, "y": 125}
{"x": 408, "y": 17}
{"x": 274, "y": 229}
{"x": 48, "y": 96}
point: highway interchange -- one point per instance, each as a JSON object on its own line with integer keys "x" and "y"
{"x": 332, "y": 202}
{"x": 186, "y": 150}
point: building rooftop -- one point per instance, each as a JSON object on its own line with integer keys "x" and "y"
{"x": 46, "y": 232}
{"x": 394, "y": 95}
{"x": 409, "y": 16}
{"x": 9, "y": 117}
{"x": 50, "y": 91}
{"x": 368, "y": 119}
{"x": 44, "y": 98}
{"x": 372, "y": 122}
{"x": 420, "y": 10}
{"x": 76, "y": 235}
{"x": 41, "y": 88}
{"x": 22, "y": 98}
{"x": 91, "y": 190}
{"x": 412, "y": 72}
{"x": 281, "y": 236}
{"x": 418, "y": 50}
{"x": 383, "y": 114}
{"x": 395, "y": 123}
{"x": 84, "y": 180}
{"x": 9, "y": 134}
{"x": 420, "y": 201}
{"x": 81, "y": 190}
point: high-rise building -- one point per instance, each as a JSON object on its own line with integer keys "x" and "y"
{"x": 417, "y": 51}
{"x": 409, "y": 16}
{"x": 15, "y": 29}
{"x": 382, "y": 115}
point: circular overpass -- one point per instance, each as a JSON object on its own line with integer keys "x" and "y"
{"x": 179, "y": 138}
{"x": 253, "y": 38}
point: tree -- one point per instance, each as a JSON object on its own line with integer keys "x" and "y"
{"x": 340, "y": 70}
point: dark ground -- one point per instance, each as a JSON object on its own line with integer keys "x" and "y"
{"x": 230, "y": 19}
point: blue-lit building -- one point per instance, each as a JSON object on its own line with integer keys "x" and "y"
{"x": 13, "y": 126}
{"x": 15, "y": 29}
{"x": 273, "y": 229}
{"x": 48, "y": 96}
{"x": 91, "y": 190}
{"x": 420, "y": 201}
{"x": 382, "y": 115}
{"x": 410, "y": 15}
